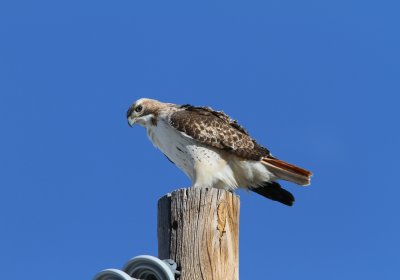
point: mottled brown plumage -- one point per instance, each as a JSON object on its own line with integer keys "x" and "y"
{"x": 216, "y": 129}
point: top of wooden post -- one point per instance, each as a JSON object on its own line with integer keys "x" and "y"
{"x": 199, "y": 229}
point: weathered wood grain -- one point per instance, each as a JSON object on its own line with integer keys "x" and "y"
{"x": 199, "y": 229}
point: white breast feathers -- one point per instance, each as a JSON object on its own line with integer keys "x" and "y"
{"x": 206, "y": 166}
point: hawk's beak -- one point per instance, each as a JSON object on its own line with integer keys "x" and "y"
{"x": 131, "y": 121}
{"x": 130, "y": 117}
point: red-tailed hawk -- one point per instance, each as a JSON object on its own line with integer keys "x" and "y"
{"x": 213, "y": 150}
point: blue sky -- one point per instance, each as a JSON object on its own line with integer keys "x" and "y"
{"x": 317, "y": 82}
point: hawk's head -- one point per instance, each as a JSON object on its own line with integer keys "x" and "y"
{"x": 144, "y": 112}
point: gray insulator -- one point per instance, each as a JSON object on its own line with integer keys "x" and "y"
{"x": 149, "y": 267}
{"x": 112, "y": 274}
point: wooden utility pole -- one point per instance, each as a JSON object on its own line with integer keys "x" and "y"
{"x": 199, "y": 230}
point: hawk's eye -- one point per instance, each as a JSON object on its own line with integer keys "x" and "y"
{"x": 138, "y": 109}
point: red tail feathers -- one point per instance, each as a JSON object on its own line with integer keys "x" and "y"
{"x": 287, "y": 171}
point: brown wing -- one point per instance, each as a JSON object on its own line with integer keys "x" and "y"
{"x": 216, "y": 129}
